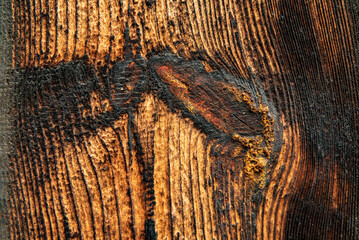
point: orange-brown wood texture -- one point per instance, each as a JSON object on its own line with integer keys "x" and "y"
{"x": 185, "y": 119}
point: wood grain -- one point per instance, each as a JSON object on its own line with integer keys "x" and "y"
{"x": 94, "y": 163}
{"x": 105, "y": 147}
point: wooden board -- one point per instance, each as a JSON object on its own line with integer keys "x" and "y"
{"x": 194, "y": 119}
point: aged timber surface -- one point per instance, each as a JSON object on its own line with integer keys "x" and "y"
{"x": 116, "y": 141}
{"x": 126, "y": 154}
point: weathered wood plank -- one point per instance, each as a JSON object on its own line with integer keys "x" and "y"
{"x": 185, "y": 119}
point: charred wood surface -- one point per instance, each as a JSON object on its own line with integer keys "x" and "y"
{"x": 185, "y": 119}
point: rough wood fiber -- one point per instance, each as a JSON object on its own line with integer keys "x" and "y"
{"x": 125, "y": 156}
{"x": 143, "y": 164}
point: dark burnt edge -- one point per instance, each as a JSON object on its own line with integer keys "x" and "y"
{"x": 81, "y": 80}
{"x": 151, "y": 84}
{"x": 327, "y": 125}
{"x": 42, "y": 118}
